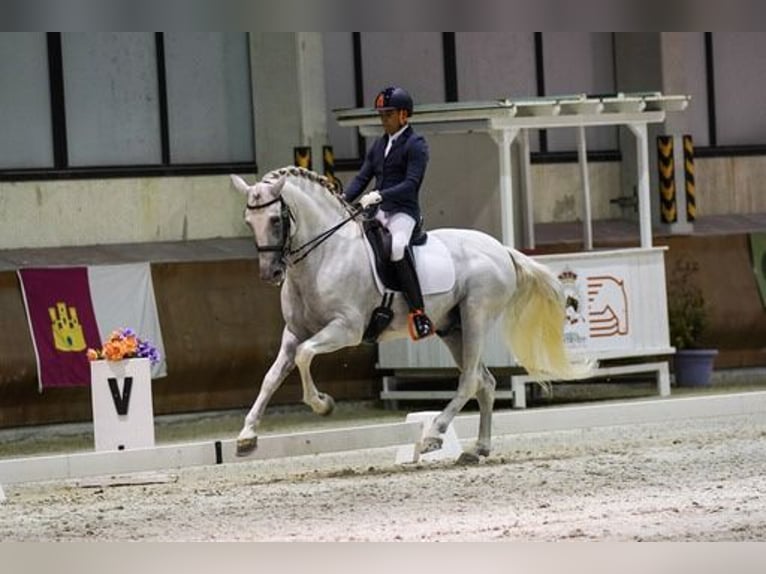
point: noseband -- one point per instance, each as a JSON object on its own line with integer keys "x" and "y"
{"x": 286, "y": 215}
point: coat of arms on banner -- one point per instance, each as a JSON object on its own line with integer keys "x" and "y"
{"x": 576, "y": 326}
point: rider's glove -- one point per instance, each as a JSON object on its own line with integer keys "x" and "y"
{"x": 370, "y": 198}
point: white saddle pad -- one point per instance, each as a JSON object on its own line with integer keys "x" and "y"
{"x": 436, "y": 270}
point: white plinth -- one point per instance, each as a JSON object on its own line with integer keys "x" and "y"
{"x": 123, "y": 412}
{"x": 450, "y": 449}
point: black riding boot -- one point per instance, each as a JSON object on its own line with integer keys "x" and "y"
{"x": 419, "y": 324}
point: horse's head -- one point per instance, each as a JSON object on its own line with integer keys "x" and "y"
{"x": 269, "y": 219}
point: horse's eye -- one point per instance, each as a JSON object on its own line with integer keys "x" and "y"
{"x": 275, "y": 220}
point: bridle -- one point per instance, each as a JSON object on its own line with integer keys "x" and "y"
{"x": 284, "y": 246}
{"x": 285, "y": 216}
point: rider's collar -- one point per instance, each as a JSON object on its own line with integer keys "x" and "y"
{"x": 392, "y": 138}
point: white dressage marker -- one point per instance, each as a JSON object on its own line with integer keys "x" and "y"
{"x": 450, "y": 449}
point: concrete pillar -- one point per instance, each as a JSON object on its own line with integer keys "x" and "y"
{"x": 683, "y": 72}
{"x": 288, "y": 96}
{"x": 667, "y": 62}
{"x": 312, "y": 95}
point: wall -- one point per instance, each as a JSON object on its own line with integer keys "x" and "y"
{"x": 222, "y": 328}
{"x": 461, "y": 184}
{"x": 461, "y": 193}
{"x": 95, "y": 211}
{"x": 731, "y": 185}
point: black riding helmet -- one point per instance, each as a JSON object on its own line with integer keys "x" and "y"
{"x": 394, "y": 98}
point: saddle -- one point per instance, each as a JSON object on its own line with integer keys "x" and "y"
{"x": 380, "y": 241}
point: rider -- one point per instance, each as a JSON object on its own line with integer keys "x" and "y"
{"x": 398, "y": 162}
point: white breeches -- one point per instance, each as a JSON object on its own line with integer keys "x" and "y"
{"x": 400, "y": 225}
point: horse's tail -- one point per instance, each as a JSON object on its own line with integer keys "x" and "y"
{"x": 534, "y": 324}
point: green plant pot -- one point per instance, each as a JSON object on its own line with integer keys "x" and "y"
{"x": 694, "y": 367}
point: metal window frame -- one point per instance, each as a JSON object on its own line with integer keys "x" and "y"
{"x": 61, "y": 168}
{"x": 713, "y": 149}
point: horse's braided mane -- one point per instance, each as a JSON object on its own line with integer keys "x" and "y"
{"x": 327, "y": 183}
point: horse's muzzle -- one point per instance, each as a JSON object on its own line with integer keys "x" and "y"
{"x": 273, "y": 275}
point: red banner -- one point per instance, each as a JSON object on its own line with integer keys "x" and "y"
{"x": 62, "y": 322}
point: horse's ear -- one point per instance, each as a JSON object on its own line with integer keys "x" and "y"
{"x": 240, "y": 184}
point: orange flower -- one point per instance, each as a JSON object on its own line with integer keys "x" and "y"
{"x": 130, "y": 345}
{"x": 122, "y": 344}
{"x": 113, "y": 351}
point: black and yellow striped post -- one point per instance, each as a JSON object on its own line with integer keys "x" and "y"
{"x": 691, "y": 197}
{"x": 302, "y": 156}
{"x": 328, "y": 163}
{"x": 667, "y": 180}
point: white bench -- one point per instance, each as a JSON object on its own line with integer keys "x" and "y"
{"x": 517, "y": 392}
{"x": 518, "y": 382}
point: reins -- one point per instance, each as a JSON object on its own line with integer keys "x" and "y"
{"x": 311, "y": 244}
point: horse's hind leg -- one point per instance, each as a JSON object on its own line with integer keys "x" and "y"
{"x": 465, "y": 346}
{"x": 284, "y": 363}
{"x": 485, "y": 396}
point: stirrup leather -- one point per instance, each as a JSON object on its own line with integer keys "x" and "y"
{"x": 419, "y": 325}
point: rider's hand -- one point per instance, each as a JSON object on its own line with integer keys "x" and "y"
{"x": 370, "y": 198}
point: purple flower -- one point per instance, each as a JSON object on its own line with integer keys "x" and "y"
{"x": 147, "y": 351}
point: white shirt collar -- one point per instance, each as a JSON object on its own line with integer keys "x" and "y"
{"x": 392, "y": 138}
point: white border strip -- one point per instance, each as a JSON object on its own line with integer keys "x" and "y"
{"x": 62, "y": 467}
{"x": 79, "y": 465}
{"x": 635, "y": 411}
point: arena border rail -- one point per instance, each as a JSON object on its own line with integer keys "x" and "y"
{"x": 571, "y": 417}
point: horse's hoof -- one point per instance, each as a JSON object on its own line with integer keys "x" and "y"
{"x": 430, "y": 444}
{"x": 467, "y": 459}
{"x": 246, "y": 446}
{"x": 328, "y": 407}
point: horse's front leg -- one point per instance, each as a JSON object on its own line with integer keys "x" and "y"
{"x": 284, "y": 363}
{"x": 336, "y": 335}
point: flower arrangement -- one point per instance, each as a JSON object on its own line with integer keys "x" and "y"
{"x": 124, "y": 344}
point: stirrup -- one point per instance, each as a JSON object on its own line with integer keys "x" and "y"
{"x": 419, "y": 325}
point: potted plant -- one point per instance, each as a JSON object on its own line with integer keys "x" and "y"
{"x": 688, "y": 321}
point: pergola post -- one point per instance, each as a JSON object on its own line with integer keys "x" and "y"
{"x": 504, "y": 138}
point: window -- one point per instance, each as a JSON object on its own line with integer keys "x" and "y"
{"x": 579, "y": 63}
{"x": 111, "y": 98}
{"x": 486, "y": 66}
{"x": 101, "y": 104}
{"x": 25, "y": 109}
{"x": 738, "y": 60}
{"x": 353, "y": 77}
{"x": 215, "y": 125}
{"x": 412, "y": 60}
{"x": 495, "y": 65}
{"x": 340, "y": 86}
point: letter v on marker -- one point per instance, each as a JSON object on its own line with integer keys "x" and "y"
{"x": 121, "y": 401}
